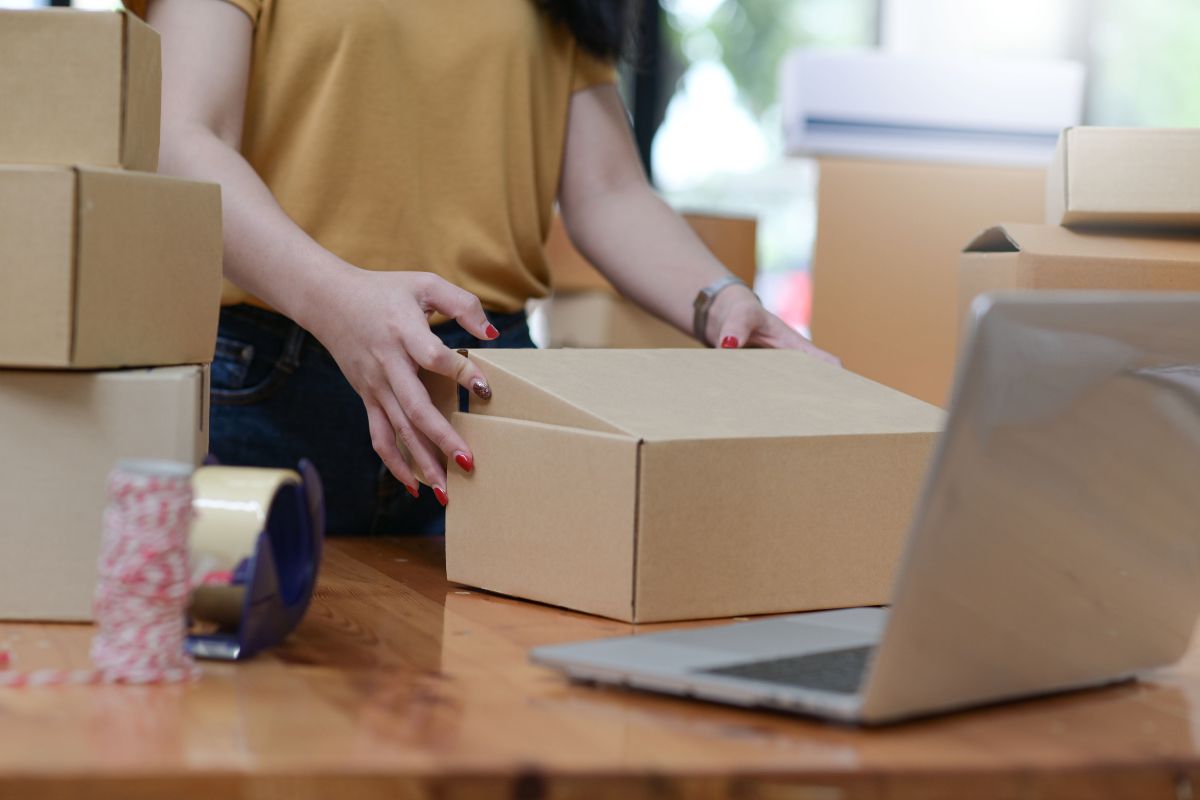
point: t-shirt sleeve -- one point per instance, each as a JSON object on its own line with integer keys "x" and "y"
{"x": 590, "y": 71}
{"x": 252, "y": 7}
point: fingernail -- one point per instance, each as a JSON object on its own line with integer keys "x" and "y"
{"x": 729, "y": 343}
{"x": 481, "y": 389}
{"x": 412, "y": 490}
{"x": 491, "y": 331}
{"x": 464, "y": 461}
{"x": 464, "y": 352}
{"x": 440, "y": 494}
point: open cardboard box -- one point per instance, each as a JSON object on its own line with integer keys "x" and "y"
{"x": 105, "y": 268}
{"x": 1125, "y": 177}
{"x": 79, "y": 87}
{"x": 656, "y": 485}
{"x": 1014, "y": 256}
{"x": 60, "y": 435}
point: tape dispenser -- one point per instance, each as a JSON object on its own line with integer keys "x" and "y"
{"x": 255, "y": 547}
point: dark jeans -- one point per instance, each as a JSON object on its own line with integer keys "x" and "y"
{"x": 278, "y": 396}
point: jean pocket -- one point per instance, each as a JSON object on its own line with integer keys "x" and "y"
{"x": 231, "y": 364}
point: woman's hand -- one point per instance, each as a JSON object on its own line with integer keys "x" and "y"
{"x": 738, "y": 319}
{"x": 376, "y": 326}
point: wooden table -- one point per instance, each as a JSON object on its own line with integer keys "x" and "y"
{"x": 401, "y": 685}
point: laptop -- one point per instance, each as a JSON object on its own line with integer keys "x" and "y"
{"x": 1055, "y": 546}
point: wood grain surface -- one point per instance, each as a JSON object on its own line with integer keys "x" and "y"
{"x": 401, "y": 685}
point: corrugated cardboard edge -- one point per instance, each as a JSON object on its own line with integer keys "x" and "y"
{"x": 636, "y": 526}
{"x": 1058, "y": 182}
{"x": 76, "y": 221}
{"x": 141, "y": 95}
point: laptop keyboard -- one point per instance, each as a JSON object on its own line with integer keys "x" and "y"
{"x": 840, "y": 671}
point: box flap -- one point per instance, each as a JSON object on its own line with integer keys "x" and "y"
{"x": 694, "y": 394}
{"x": 993, "y": 240}
{"x": 547, "y": 514}
{"x": 793, "y": 526}
{"x": 1054, "y": 240}
{"x": 37, "y": 254}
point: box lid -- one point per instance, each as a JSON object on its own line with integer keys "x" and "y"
{"x": 659, "y": 395}
{"x": 1144, "y": 177}
{"x": 1054, "y": 240}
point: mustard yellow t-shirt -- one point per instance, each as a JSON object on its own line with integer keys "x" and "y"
{"x": 416, "y": 134}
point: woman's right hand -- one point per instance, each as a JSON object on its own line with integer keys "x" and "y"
{"x": 376, "y": 326}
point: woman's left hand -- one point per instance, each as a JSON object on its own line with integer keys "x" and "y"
{"x": 738, "y": 319}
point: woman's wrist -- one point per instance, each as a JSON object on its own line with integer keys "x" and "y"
{"x": 315, "y": 291}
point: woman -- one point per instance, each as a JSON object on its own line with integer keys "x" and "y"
{"x": 389, "y": 169}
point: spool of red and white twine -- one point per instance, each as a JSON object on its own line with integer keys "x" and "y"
{"x": 142, "y": 586}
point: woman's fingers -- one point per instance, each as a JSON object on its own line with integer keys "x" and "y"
{"x": 383, "y": 440}
{"x": 440, "y": 295}
{"x": 415, "y": 448}
{"x": 435, "y": 429}
{"x": 777, "y": 333}
{"x": 427, "y": 350}
{"x": 738, "y": 326}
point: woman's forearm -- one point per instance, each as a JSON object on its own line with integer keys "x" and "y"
{"x": 266, "y": 253}
{"x": 655, "y": 259}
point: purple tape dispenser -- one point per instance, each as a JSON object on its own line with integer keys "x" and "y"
{"x": 255, "y": 550}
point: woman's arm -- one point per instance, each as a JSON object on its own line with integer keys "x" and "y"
{"x": 374, "y": 323}
{"x": 648, "y": 252}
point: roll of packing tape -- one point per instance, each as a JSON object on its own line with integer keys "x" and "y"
{"x": 255, "y": 549}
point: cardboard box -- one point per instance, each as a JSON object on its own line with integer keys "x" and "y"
{"x": 1012, "y": 256}
{"x": 104, "y": 268}
{"x": 885, "y": 267}
{"x": 79, "y": 87}
{"x": 733, "y": 240}
{"x": 1125, "y": 177}
{"x": 655, "y": 485}
{"x": 60, "y": 434}
{"x": 954, "y": 108}
{"x": 605, "y": 320}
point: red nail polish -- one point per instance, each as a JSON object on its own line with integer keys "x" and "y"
{"x": 441, "y": 496}
{"x": 491, "y": 331}
{"x": 464, "y": 461}
{"x": 729, "y": 343}
{"x": 412, "y": 490}
{"x": 481, "y": 390}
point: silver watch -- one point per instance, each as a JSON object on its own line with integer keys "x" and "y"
{"x": 704, "y": 301}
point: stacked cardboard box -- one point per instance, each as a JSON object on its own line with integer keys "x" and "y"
{"x": 1121, "y": 214}
{"x": 109, "y": 294}
{"x": 916, "y": 154}
{"x": 586, "y": 311}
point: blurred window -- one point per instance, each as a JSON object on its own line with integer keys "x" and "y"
{"x": 720, "y": 146}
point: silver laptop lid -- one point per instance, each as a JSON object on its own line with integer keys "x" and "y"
{"x": 1058, "y": 540}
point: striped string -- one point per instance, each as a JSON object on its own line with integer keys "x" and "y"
{"x": 142, "y": 586}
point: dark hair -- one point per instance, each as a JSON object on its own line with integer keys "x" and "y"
{"x": 603, "y": 28}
